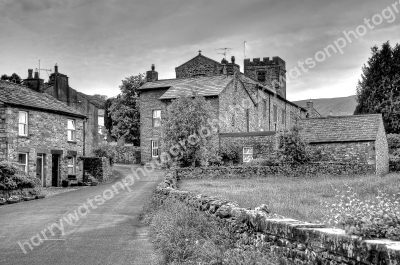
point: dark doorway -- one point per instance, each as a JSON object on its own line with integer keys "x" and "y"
{"x": 55, "y": 170}
{"x": 40, "y": 169}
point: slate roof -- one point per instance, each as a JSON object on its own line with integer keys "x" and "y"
{"x": 353, "y": 128}
{"x": 14, "y": 94}
{"x": 204, "y": 85}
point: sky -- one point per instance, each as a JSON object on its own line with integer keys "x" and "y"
{"x": 98, "y": 43}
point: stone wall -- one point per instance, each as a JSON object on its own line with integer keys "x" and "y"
{"x": 126, "y": 154}
{"x": 381, "y": 151}
{"x": 98, "y": 167}
{"x": 295, "y": 242}
{"x": 309, "y": 170}
{"x": 199, "y": 65}
{"x": 47, "y": 136}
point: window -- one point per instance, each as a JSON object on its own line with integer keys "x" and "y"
{"x": 71, "y": 165}
{"x": 265, "y": 109}
{"x": 156, "y": 118}
{"x": 248, "y": 119}
{"x": 283, "y": 116}
{"x": 71, "y": 130}
{"x": 23, "y": 123}
{"x": 261, "y": 76}
{"x": 275, "y": 113}
{"x": 155, "y": 147}
{"x": 23, "y": 161}
{"x": 247, "y": 154}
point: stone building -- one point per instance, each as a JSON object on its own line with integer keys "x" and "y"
{"x": 58, "y": 87}
{"x": 43, "y": 135}
{"x": 357, "y": 138}
{"x": 242, "y": 104}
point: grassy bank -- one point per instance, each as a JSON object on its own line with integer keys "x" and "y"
{"x": 186, "y": 236}
{"x": 307, "y": 199}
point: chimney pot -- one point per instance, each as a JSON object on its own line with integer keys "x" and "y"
{"x": 153, "y": 67}
{"x": 30, "y": 71}
{"x": 233, "y": 59}
{"x": 56, "y": 68}
{"x": 36, "y": 74}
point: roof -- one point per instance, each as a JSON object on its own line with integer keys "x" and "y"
{"x": 203, "y": 85}
{"x": 353, "y": 128}
{"x": 14, "y": 94}
{"x": 199, "y": 55}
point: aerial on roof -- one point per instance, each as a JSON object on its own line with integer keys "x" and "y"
{"x": 202, "y": 85}
{"x": 341, "y": 128}
{"x": 14, "y": 94}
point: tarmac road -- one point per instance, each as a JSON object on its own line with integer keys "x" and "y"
{"x": 109, "y": 234}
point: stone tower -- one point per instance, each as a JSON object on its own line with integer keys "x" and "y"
{"x": 269, "y": 72}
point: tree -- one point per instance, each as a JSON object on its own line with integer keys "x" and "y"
{"x": 124, "y": 111}
{"x": 98, "y": 100}
{"x": 187, "y": 133}
{"x": 12, "y": 78}
{"x": 378, "y": 91}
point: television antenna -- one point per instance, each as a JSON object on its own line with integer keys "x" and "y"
{"x": 47, "y": 70}
{"x": 225, "y": 50}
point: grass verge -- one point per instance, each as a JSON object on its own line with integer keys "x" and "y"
{"x": 186, "y": 236}
{"x": 306, "y": 199}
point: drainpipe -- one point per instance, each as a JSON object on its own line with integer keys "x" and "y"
{"x": 269, "y": 112}
{"x": 84, "y": 137}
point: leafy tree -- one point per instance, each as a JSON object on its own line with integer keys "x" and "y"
{"x": 378, "y": 90}
{"x": 124, "y": 111}
{"x": 292, "y": 147}
{"x": 186, "y": 132}
{"x": 11, "y": 78}
{"x": 98, "y": 100}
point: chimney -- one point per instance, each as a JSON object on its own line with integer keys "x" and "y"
{"x": 152, "y": 75}
{"x": 30, "y": 71}
{"x": 56, "y": 68}
{"x": 310, "y": 104}
{"x": 233, "y": 59}
{"x": 36, "y": 74}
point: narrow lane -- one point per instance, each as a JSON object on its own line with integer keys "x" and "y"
{"x": 104, "y": 234}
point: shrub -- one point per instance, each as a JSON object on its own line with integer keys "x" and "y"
{"x": 394, "y": 144}
{"x": 186, "y": 236}
{"x": 377, "y": 218}
{"x": 105, "y": 151}
{"x": 12, "y": 177}
{"x": 292, "y": 147}
{"x": 229, "y": 153}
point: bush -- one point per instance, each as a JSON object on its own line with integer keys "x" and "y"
{"x": 229, "y": 153}
{"x": 271, "y": 160}
{"x": 292, "y": 147}
{"x": 11, "y": 177}
{"x": 105, "y": 151}
{"x": 394, "y": 144}
{"x": 186, "y": 236}
{"x": 377, "y": 218}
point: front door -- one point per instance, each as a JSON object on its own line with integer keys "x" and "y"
{"x": 40, "y": 169}
{"x": 55, "y": 170}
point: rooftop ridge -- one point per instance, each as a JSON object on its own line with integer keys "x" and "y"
{"x": 346, "y": 116}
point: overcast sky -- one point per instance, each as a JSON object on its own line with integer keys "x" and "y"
{"x": 99, "y": 42}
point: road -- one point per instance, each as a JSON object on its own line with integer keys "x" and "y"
{"x": 109, "y": 233}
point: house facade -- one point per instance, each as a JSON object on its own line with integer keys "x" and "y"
{"x": 44, "y": 136}
{"x": 58, "y": 87}
{"x": 243, "y": 104}
{"x": 355, "y": 139}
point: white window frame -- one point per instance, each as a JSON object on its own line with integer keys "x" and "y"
{"x": 72, "y": 130}
{"x": 155, "y": 148}
{"x": 26, "y": 161}
{"x": 25, "y": 124}
{"x": 73, "y": 166}
{"x": 247, "y": 154}
{"x": 156, "y": 115}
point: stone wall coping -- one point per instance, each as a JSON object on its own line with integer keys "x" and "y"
{"x": 327, "y": 243}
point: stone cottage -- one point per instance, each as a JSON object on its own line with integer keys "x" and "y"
{"x": 357, "y": 138}
{"x": 43, "y": 135}
{"x": 247, "y": 106}
{"x": 58, "y": 87}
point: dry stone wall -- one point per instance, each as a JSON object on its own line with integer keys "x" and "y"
{"x": 295, "y": 242}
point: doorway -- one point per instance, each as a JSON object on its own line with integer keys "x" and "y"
{"x": 55, "y": 170}
{"x": 40, "y": 169}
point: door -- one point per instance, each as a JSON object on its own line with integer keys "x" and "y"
{"x": 40, "y": 169}
{"x": 55, "y": 170}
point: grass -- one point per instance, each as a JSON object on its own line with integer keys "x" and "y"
{"x": 185, "y": 236}
{"x": 297, "y": 198}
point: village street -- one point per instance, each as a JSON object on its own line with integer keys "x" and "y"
{"x": 109, "y": 234}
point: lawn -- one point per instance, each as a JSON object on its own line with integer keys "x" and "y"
{"x": 297, "y": 198}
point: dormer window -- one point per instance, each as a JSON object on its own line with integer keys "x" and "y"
{"x": 261, "y": 76}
